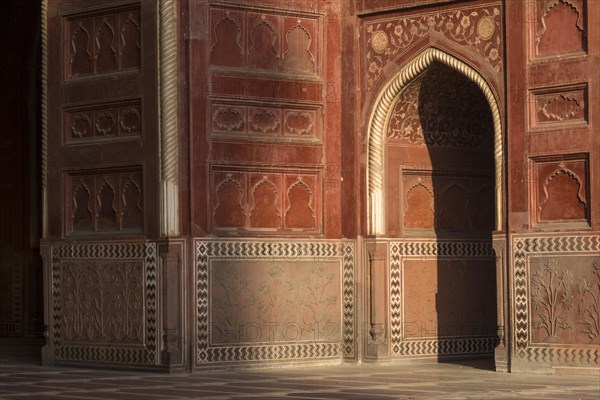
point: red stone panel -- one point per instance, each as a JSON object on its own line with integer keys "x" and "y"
{"x": 104, "y": 202}
{"x": 226, "y": 38}
{"x": 103, "y": 42}
{"x": 559, "y": 107}
{"x": 264, "y": 47}
{"x": 274, "y": 301}
{"x": 104, "y": 121}
{"x": 561, "y": 27}
{"x": 561, "y": 189}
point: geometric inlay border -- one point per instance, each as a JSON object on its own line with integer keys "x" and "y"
{"x": 524, "y": 247}
{"x": 145, "y": 252}
{"x": 296, "y": 250}
{"x": 420, "y": 249}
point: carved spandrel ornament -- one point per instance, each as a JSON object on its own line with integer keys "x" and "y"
{"x": 479, "y": 28}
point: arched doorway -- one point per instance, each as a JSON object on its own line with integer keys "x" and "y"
{"x": 435, "y": 186}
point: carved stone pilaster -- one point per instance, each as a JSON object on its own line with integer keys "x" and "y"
{"x": 377, "y": 340}
{"x": 169, "y": 159}
{"x": 501, "y": 353}
{"x": 171, "y": 273}
{"x": 48, "y": 348}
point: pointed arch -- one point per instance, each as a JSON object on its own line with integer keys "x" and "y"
{"x": 378, "y": 121}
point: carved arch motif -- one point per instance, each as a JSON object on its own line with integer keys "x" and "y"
{"x": 263, "y": 55}
{"x": 377, "y": 127}
{"x": 234, "y": 27}
{"x": 545, "y": 10}
{"x": 297, "y": 214}
{"x": 298, "y": 57}
{"x": 264, "y": 213}
{"x": 562, "y": 169}
{"x": 427, "y": 207}
{"x": 229, "y": 211}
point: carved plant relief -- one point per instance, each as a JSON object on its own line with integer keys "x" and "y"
{"x": 588, "y": 308}
{"x": 551, "y": 298}
{"x": 274, "y": 301}
{"x": 103, "y": 301}
{"x": 565, "y": 301}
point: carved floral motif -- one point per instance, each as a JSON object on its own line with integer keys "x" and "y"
{"x": 103, "y": 301}
{"x": 479, "y": 28}
{"x": 551, "y": 298}
{"x": 563, "y": 303}
{"x": 276, "y": 304}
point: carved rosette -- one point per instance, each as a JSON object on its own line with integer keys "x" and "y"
{"x": 479, "y": 28}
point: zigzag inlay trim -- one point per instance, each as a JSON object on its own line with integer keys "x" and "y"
{"x": 524, "y": 247}
{"x": 107, "y": 251}
{"x": 297, "y": 250}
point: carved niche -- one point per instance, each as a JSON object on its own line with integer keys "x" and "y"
{"x": 269, "y": 41}
{"x": 266, "y": 203}
{"x": 479, "y": 28}
{"x": 107, "y": 43}
{"x": 300, "y": 211}
{"x": 438, "y": 201}
{"x": 105, "y": 202}
{"x": 560, "y": 189}
{"x": 226, "y": 46}
{"x": 230, "y": 199}
{"x": 298, "y": 56}
{"x": 263, "y": 52}
{"x": 273, "y": 201}
{"x": 560, "y": 27}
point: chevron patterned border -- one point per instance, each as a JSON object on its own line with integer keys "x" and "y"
{"x": 107, "y": 251}
{"x": 524, "y": 247}
{"x": 297, "y": 250}
{"x": 411, "y": 249}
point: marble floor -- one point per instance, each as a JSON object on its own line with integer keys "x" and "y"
{"x": 22, "y": 377}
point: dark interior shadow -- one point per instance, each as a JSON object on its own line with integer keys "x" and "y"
{"x": 458, "y": 131}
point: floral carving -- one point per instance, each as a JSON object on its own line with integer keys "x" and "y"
{"x": 103, "y": 301}
{"x": 263, "y": 53}
{"x": 589, "y": 305}
{"x": 551, "y": 298}
{"x": 286, "y": 302}
{"x": 479, "y": 28}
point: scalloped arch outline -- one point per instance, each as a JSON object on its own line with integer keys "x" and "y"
{"x": 380, "y": 117}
